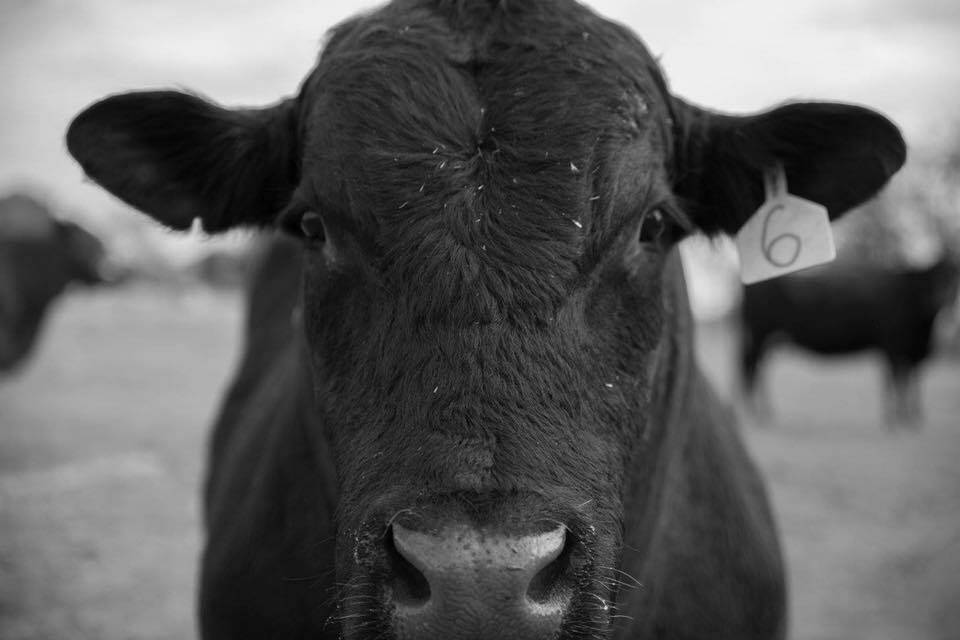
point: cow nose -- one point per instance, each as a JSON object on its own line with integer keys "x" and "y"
{"x": 465, "y": 583}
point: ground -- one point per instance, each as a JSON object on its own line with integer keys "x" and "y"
{"x": 101, "y": 454}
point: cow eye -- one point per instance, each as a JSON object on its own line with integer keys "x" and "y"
{"x": 306, "y": 224}
{"x": 653, "y": 227}
{"x": 311, "y": 226}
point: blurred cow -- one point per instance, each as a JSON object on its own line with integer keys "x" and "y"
{"x": 39, "y": 257}
{"x": 224, "y": 269}
{"x": 848, "y": 308}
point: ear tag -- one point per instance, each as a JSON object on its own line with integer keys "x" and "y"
{"x": 786, "y": 234}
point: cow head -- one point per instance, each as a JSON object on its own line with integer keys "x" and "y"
{"x": 53, "y": 252}
{"x": 487, "y": 195}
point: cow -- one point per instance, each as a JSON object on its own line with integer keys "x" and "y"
{"x": 223, "y": 268}
{"x": 850, "y": 308}
{"x": 468, "y": 405}
{"x": 40, "y": 256}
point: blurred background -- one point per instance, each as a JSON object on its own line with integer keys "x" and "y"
{"x": 104, "y": 406}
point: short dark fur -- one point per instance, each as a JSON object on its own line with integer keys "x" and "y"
{"x": 217, "y": 163}
{"x": 492, "y": 327}
{"x": 35, "y": 268}
{"x": 845, "y": 309}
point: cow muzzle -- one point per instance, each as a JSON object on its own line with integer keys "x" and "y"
{"x": 462, "y": 582}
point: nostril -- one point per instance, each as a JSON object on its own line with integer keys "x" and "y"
{"x": 462, "y": 580}
{"x": 410, "y": 586}
{"x": 555, "y": 581}
{"x": 539, "y": 569}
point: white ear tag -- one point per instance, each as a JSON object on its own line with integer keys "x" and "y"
{"x": 786, "y": 234}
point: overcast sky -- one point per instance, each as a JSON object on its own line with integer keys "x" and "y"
{"x": 56, "y": 56}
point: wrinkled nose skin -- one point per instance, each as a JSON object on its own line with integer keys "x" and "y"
{"x": 479, "y": 585}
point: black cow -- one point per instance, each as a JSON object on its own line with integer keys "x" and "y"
{"x": 468, "y": 406}
{"x": 848, "y": 308}
{"x": 223, "y": 269}
{"x": 39, "y": 257}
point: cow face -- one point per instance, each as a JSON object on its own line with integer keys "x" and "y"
{"x": 487, "y": 202}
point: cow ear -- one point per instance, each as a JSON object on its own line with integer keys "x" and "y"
{"x": 837, "y": 155}
{"x": 178, "y": 157}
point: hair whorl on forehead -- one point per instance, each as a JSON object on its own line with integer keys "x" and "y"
{"x": 469, "y": 14}
{"x": 468, "y": 5}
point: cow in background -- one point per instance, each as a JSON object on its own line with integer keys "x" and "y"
{"x": 40, "y": 256}
{"x": 225, "y": 269}
{"x": 468, "y": 407}
{"x": 842, "y": 309}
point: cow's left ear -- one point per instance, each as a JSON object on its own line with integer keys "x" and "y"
{"x": 837, "y": 155}
{"x": 179, "y": 158}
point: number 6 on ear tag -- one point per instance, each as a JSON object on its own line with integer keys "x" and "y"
{"x": 786, "y": 234}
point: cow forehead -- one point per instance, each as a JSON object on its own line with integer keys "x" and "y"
{"x": 483, "y": 164}
{"x": 407, "y": 105}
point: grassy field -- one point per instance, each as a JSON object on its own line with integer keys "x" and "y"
{"x": 101, "y": 451}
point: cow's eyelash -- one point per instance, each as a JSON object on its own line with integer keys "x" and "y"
{"x": 289, "y": 218}
{"x": 293, "y": 207}
{"x": 675, "y": 213}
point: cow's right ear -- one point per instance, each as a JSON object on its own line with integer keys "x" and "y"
{"x": 179, "y": 158}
